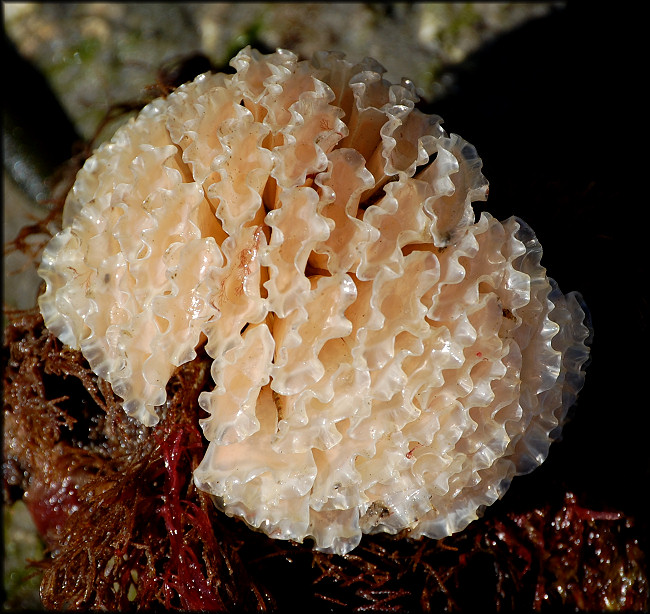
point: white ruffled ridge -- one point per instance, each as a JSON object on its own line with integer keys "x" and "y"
{"x": 382, "y": 360}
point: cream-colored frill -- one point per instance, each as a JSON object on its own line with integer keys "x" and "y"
{"x": 382, "y": 360}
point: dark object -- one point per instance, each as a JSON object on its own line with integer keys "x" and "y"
{"x": 38, "y": 136}
{"x": 177, "y": 71}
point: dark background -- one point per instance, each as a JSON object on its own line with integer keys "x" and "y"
{"x": 552, "y": 109}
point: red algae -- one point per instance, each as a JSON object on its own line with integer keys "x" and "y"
{"x": 123, "y": 522}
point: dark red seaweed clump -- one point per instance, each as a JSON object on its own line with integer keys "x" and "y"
{"x": 114, "y": 500}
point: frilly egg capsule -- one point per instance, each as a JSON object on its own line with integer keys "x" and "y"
{"x": 381, "y": 359}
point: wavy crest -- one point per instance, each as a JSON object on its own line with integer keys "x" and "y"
{"x": 382, "y": 360}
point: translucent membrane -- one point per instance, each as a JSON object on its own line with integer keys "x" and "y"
{"x": 381, "y": 359}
